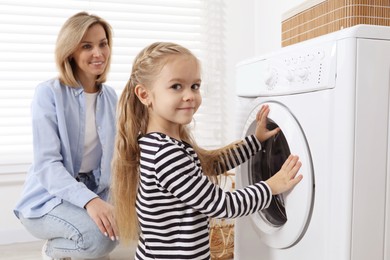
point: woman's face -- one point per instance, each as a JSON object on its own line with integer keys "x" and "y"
{"x": 92, "y": 54}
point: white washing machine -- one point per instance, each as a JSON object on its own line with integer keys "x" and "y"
{"x": 330, "y": 98}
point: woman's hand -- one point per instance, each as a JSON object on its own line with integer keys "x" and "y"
{"x": 286, "y": 178}
{"x": 102, "y": 213}
{"x": 262, "y": 133}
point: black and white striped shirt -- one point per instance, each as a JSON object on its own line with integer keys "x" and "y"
{"x": 175, "y": 199}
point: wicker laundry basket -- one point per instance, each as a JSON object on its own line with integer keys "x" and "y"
{"x": 318, "y": 17}
{"x": 222, "y": 230}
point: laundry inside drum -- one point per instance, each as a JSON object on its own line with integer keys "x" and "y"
{"x": 265, "y": 164}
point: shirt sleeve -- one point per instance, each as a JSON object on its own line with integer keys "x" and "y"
{"x": 238, "y": 153}
{"x": 49, "y": 148}
{"x": 178, "y": 173}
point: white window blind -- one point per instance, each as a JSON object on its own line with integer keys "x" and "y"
{"x": 28, "y": 31}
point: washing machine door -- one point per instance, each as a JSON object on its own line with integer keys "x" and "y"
{"x": 285, "y": 221}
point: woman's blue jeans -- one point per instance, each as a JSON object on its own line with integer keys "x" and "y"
{"x": 70, "y": 232}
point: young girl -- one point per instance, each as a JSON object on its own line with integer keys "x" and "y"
{"x": 161, "y": 177}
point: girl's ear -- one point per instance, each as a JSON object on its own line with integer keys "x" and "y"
{"x": 142, "y": 93}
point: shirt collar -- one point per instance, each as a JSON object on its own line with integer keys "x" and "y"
{"x": 78, "y": 90}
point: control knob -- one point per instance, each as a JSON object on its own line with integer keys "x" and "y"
{"x": 302, "y": 73}
{"x": 271, "y": 78}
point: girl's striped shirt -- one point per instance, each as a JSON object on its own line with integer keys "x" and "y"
{"x": 175, "y": 199}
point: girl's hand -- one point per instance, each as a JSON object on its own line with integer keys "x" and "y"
{"x": 262, "y": 133}
{"x": 286, "y": 178}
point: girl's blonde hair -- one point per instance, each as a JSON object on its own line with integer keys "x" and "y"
{"x": 68, "y": 40}
{"x": 132, "y": 122}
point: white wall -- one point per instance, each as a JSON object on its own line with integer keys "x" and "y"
{"x": 240, "y": 44}
{"x": 253, "y": 27}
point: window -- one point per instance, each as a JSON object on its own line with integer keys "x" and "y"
{"x": 28, "y": 31}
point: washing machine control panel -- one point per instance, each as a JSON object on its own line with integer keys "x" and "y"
{"x": 288, "y": 71}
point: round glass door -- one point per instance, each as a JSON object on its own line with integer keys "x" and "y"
{"x": 263, "y": 166}
{"x": 285, "y": 221}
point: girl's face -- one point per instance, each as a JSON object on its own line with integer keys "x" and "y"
{"x": 92, "y": 54}
{"x": 175, "y": 95}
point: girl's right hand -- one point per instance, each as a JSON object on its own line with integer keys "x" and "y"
{"x": 286, "y": 178}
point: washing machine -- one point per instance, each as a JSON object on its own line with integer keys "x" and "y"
{"x": 330, "y": 98}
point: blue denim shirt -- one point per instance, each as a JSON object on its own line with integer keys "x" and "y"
{"x": 58, "y": 114}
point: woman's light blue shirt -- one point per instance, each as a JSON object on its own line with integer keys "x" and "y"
{"x": 58, "y": 120}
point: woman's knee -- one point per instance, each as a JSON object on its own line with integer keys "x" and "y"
{"x": 94, "y": 244}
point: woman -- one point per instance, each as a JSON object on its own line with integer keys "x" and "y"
{"x": 73, "y": 119}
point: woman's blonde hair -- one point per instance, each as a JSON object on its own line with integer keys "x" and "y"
{"x": 68, "y": 40}
{"x": 132, "y": 122}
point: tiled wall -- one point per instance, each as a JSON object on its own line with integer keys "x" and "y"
{"x": 332, "y": 15}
